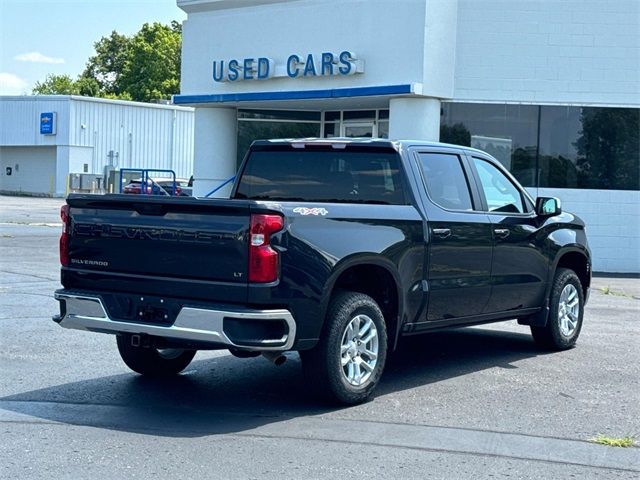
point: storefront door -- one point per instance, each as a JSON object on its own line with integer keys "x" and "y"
{"x": 358, "y": 129}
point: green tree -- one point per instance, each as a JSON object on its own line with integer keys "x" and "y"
{"x": 142, "y": 67}
{"x": 56, "y": 85}
{"x": 609, "y": 148}
{"x": 87, "y": 87}
{"x": 152, "y": 67}
{"x": 107, "y": 65}
{"x": 457, "y": 134}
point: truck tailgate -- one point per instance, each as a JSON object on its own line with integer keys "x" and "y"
{"x": 180, "y": 246}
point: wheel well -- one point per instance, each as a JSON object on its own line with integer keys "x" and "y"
{"x": 578, "y": 263}
{"x": 379, "y": 284}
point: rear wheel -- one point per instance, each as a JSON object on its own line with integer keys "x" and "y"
{"x": 348, "y": 361}
{"x": 566, "y": 309}
{"x": 151, "y": 361}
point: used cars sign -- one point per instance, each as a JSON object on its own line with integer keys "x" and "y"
{"x": 297, "y": 66}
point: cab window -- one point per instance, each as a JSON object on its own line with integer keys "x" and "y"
{"x": 446, "y": 182}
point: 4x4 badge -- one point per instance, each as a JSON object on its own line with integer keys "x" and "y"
{"x": 310, "y": 211}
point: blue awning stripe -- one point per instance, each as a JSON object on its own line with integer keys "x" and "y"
{"x": 294, "y": 95}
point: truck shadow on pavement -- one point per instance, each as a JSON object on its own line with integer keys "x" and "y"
{"x": 230, "y": 395}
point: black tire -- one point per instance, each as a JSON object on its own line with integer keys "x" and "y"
{"x": 552, "y": 336}
{"x": 323, "y": 364}
{"x": 152, "y": 362}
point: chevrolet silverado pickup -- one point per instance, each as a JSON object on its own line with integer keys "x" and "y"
{"x": 335, "y": 248}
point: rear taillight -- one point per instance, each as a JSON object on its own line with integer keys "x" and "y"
{"x": 64, "y": 237}
{"x": 263, "y": 260}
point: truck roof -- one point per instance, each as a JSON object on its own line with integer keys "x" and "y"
{"x": 361, "y": 142}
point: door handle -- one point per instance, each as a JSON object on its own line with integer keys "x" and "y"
{"x": 442, "y": 232}
{"x": 501, "y": 232}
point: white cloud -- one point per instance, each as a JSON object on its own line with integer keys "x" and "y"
{"x": 37, "y": 57}
{"x": 11, "y": 84}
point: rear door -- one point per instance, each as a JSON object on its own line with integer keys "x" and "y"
{"x": 519, "y": 267}
{"x": 459, "y": 239}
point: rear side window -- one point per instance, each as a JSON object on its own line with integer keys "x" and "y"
{"x": 308, "y": 175}
{"x": 446, "y": 182}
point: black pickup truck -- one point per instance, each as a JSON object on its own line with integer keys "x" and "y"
{"x": 333, "y": 248}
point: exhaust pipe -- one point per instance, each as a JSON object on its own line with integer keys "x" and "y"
{"x": 276, "y": 358}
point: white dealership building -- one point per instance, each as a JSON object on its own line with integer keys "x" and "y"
{"x": 549, "y": 87}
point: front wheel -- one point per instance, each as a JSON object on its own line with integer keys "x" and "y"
{"x": 566, "y": 309}
{"x": 151, "y": 361}
{"x": 348, "y": 361}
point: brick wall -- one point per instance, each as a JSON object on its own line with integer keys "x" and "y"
{"x": 612, "y": 222}
{"x": 559, "y": 51}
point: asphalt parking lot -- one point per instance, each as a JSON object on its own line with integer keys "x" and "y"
{"x": 471, "y": 403}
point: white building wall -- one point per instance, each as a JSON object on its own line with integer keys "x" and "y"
{"x": 388, "y": 35}
{"x": 612, "y": 223}
{"x": 216, "y": 146}
{"x": 78, "y": 158}
{"x": 143, "y": 135}
{"x": 33, "y": 170}
{"x": 439, "y": 62}
{"x": 417, "y": 118}
{"x": 558, "y": 51}
{"x": 20, "y": 120}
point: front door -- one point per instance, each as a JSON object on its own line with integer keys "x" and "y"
{"x": 459, "y": 240}
{"x": 519, "y": 269}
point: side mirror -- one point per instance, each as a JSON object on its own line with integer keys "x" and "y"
{"x": 548, "y": 206}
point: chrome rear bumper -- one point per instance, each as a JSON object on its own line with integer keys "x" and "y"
{"x": 86, "y": 312}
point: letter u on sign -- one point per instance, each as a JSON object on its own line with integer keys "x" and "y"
{"x": 218, "y": 70}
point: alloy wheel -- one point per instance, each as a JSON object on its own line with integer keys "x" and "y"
{"x": 359, "y": 350}
{"x": 569, "y": 310}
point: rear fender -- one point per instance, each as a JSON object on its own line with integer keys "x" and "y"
{"x": 361, "y": 260}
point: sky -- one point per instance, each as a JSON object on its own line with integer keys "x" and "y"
{"x": 39, "y": 37}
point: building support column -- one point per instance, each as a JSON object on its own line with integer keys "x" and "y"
{"x": 414, "y": 118}
{"x": 215, "y": 146}
{"x": 59, "y": 183}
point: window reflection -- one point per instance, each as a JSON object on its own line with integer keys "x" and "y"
{"x": 248, "y": 131}
{"x": 508, "y": 132}
{"x": 552, "y": 146}
{"x": 542, "y": 146}
{"x": 590, "y": 147}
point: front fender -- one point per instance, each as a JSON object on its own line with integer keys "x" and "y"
{"x": 565, "y": 234}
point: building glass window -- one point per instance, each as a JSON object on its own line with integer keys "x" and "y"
{"x": 268, "y": 124}
{"x": 589, "y": 147}
{"x": 508, "y": 132}
{"x": 286, "y": 115}
{"x": 552, "y": 146}
{"x": 331, "y": 129}
{"x": 356, "y": 123}
{"x": 383, "y": 129}
{"x": 359, "y": 115}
